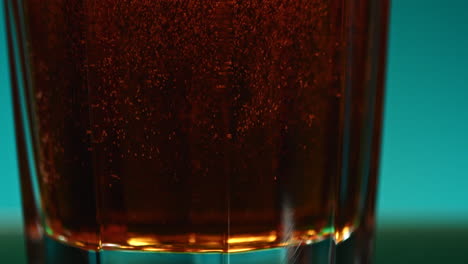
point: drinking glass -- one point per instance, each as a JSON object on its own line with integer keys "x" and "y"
{"x": 198, "y": 131}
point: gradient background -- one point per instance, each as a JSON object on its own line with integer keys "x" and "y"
{"x": 423, "y": 193}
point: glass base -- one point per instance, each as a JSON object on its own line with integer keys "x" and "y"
{"x": 318, "y": 253}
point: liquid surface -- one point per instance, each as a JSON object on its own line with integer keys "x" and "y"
{"x": 190, "y": 125}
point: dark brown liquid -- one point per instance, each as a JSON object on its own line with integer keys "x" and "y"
{"x": 188, "y": 125}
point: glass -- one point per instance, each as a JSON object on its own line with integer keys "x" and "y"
{"x": 192, "y": 131}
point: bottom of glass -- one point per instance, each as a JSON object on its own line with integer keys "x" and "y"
{"x": 357, "y": 248}
{"x": 200, "y": 243}
{"x": 318, "y": 253}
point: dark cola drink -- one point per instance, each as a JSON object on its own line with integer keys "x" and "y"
{"x": 188, "y": 126}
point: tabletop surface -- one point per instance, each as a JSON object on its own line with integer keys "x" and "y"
{"x": 402, "y": 244}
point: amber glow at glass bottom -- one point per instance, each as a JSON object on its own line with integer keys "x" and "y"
{"x": 198, "y": 243}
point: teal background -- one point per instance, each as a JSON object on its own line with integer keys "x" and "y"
{"x": 424, "y": 169}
